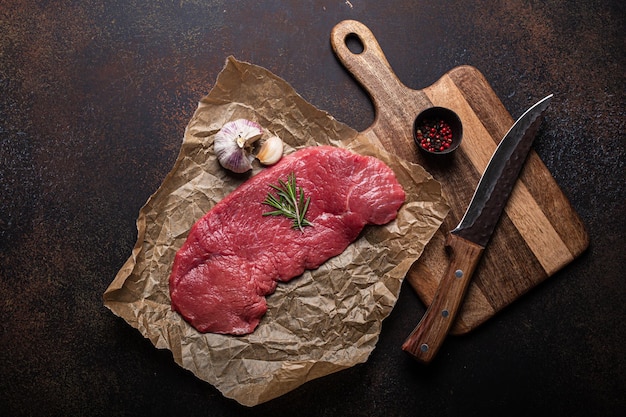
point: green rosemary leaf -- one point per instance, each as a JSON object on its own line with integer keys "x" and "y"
{"x": 304, "y": 209}
{"x": 289, "y": 201}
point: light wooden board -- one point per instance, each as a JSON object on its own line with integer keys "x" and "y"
{"x": 539, "y": 232}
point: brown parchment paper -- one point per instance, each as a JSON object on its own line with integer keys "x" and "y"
{"x": 321, "y": 322}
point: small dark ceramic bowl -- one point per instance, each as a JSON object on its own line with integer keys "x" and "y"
{"x": 434, "y": 116}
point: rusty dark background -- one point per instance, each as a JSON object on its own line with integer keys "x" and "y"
{"x": 94, "y": 99}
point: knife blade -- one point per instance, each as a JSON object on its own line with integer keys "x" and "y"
{"x": 467, "y": 241}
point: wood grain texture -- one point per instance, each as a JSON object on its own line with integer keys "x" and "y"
{"x": 425, "y": 340}
{"x": 539, "y": 232}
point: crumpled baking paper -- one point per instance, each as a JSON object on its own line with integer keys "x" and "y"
{"x": 319, "y": 323}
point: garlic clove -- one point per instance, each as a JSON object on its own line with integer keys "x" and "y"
{"x": 231, "y": 144}
{"x": 271, "y": 151}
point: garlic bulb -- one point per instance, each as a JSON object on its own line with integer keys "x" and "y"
{"x": 271, "y": 151}
{"x": 232, "y": 144}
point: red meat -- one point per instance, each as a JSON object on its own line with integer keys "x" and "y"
{"x": 234, "y": 255}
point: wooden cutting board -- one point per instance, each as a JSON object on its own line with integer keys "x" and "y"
{"x": 539, "y": 232}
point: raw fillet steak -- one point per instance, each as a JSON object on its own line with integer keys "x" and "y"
{"x": 234, "y": 255}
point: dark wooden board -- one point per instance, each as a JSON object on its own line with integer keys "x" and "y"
{"x": 539, "y": 232}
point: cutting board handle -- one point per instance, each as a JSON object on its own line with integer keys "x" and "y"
{"x": 369, "y": 67}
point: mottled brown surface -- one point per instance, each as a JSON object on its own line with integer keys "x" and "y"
{"x": 94, "y": 100}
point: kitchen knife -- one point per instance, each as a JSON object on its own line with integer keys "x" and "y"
{"x": 467, "y": 241}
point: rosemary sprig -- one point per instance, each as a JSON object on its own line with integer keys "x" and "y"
{"x": 289, "y": 201}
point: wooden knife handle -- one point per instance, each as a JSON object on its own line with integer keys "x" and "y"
{"x": 425, "y": 340}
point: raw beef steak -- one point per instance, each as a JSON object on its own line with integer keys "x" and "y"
{"x": 234, "y": 255}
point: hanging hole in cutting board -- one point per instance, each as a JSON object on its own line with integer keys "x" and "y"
{"x": 354, "y": 43}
